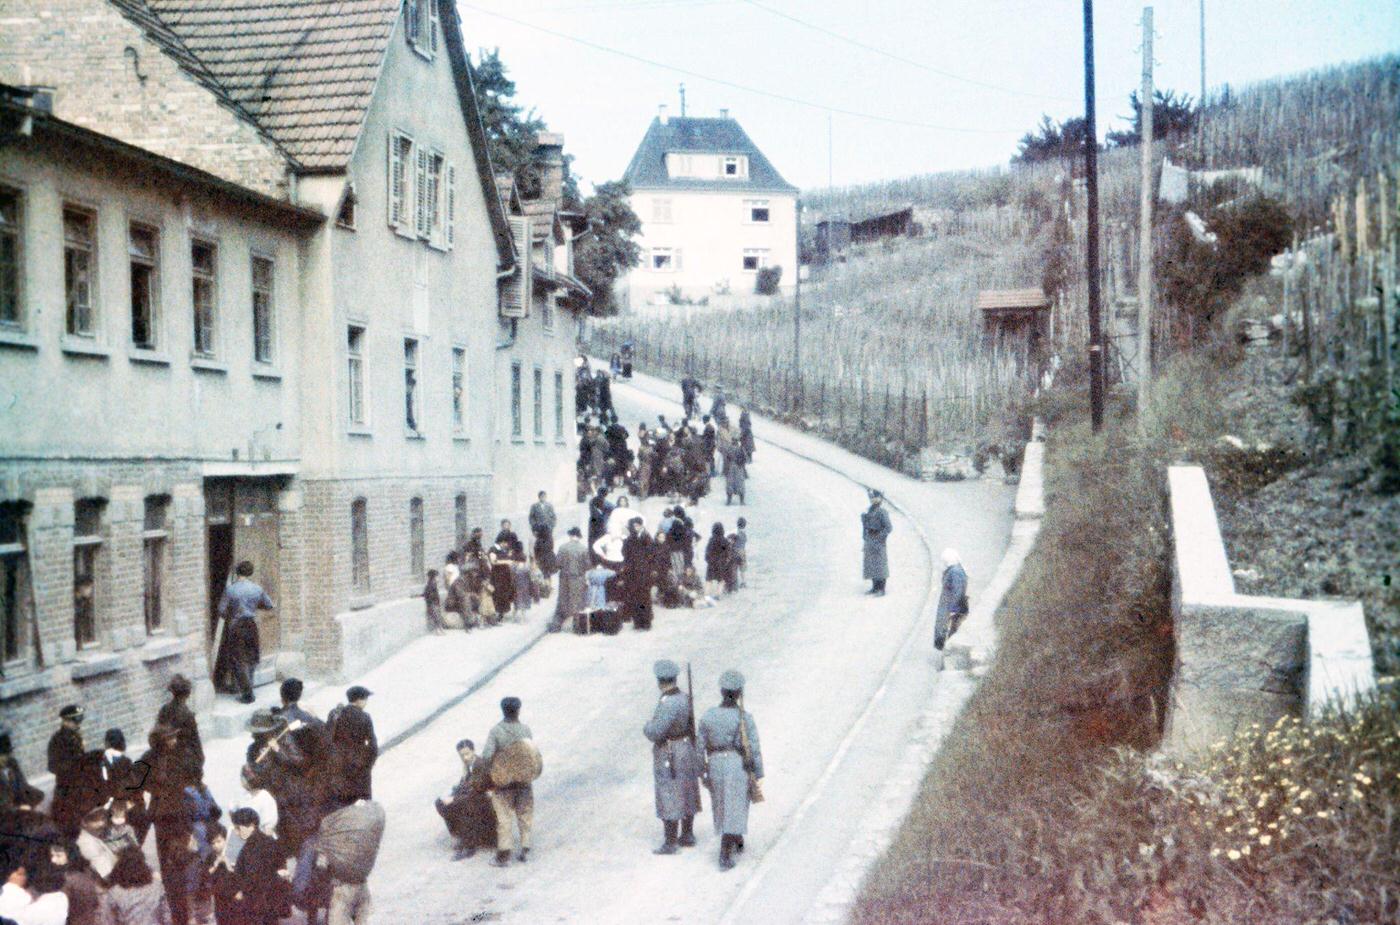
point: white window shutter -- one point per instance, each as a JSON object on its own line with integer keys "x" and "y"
{"x": 451, "y": 205}
{"x": 395, "y": 182}
{"x": 410, "y": 21}
{"x": 421, "y": 192}
{"x": 515, "y": 294}
{"x": 436, "y": 20}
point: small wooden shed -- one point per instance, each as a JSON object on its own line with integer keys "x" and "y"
{"x": 1017, "y": 320}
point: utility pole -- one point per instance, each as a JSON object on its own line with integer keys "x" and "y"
{"x": 1091, "y": 167}
{"x": 1144, "y": 338}
{"x": 797, "y": 298}
{"x": 1202, "y": 100}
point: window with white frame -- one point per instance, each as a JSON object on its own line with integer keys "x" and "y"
{"x": 665, "y": 259}
{"x": 411, "y": 415}
{"x": 79, "y": 270}
{"x": 516, "y": 424}
{"x": 421, "y": 26}
{"x": 204, "y": 259}
{"x": 400, "y": 179}
{"x": 155, "y": 553}
{"x": 539, "y": 403}
{"x": 755, "y": 259}
{"x": 736, "y": 167}
{"x": 143, "y": 257}
{"x": 459, "y": 385}
{"x": 661, "y": 210}
{"x": 355, "y": 376}
{"x": 16, "y": 592}
{"x": 87, "y": 567}
{"x": 756, "y": 210}
{"x": 11, "y": 250}
{"x": 558, "y": 405}
{"x": 263, "y": 316}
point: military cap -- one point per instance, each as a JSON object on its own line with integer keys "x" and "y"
{"x": 358, "y": 693}
{"x": 510, "y": 705}
{"x": 731, "y": 680}
{"x": 72, "y": 711}
{"x": 666, "y": 670}
{"x": 265, "y": 721}
{"x": 179, "y": 685}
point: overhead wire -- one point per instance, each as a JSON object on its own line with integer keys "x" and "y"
{"x": 758, "y": 91}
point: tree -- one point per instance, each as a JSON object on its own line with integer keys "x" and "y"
{"x": 1050, "y": 141}
{"x": 1172, "y": 117}
{"x": 606, "y": 250}
{"x": 511, "y": 130}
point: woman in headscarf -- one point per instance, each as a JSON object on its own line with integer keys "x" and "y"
{"x": 952, "y": 600}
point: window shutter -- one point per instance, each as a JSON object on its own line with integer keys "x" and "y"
{"x": 436, "y": 20}
{"x": 451, "y": 205}
{"x": 421, "y": 192}
{"x": 410, "y": 21}
{"x": 395, "y": 182}
{"x": 515, "y": 293}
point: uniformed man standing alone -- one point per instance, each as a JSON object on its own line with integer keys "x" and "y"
{"x": 729, "y": 740}
{"x": 674, "y": 766}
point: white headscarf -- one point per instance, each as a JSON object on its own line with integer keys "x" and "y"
{"x": 951, "y": 558}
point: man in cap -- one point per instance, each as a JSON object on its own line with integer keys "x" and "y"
{"x": 514, "y": 803}
{"x": 729, "y": 740}
{"x": 467, "y": 811}
{"x": 75, "y": 790}
{"x": 353, "y": 748}
{"x": 573, "y": 561}
{"x": 239, "y": 608}
{"x": 542, "y": 520}
{"x": 674, "y": 767}
{"x": 177, "y": 714}
{"x": 875, "y": 528}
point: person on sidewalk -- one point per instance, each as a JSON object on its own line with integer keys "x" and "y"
{"x": 675, "y": 769}
{"x": 735, "y": 472}
{"x": 573, "y": 563}
{"x": 510, "y": 745}
{"x": 240, "y": 650}
{"x": 467, "y": 811}
{"x": 353, "y": 748}
{"x": 177, "y": 714}
{"x": 542, "y": 522}
{"x": 952, "y": 599}
{"x": 746, "y": 436}
{"x": 729, "y": 739}
{"x": 168, "y": 773}
{"x": 638, "y": 559}
{"x": 259, "y": 890}
{"x": 876, "y": 528}
{"x": 75, "y": 772}
{"x": 122, "y": 783}
{"x": 717, "y": 561}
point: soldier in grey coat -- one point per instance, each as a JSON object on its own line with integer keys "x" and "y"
{"x": 875, "y": 529}
{"x": 675, "y": 768}
{"x": 574, "y": 562}
{"x": 726, "y": 766}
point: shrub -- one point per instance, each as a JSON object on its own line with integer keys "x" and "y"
{"x": 766, "y": 283}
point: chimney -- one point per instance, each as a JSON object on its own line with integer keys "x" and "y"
{"x": 724, "y": 113}
{"x": 661, "y": 114}
{"x": 549, "y": 147}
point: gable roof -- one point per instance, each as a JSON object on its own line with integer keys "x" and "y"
{"x": 305, "y": 71}
{"x": 701, "y": 136}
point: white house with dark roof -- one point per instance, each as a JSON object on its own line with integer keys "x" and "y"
{"x": 255, "y": 286}
{"x": 714, "y": 212}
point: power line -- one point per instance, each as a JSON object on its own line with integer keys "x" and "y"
{"x": 738, "y": 86}
{"x": 900, "y": 58}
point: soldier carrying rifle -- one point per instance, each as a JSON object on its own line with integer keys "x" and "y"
{"x": 675, "y": 767}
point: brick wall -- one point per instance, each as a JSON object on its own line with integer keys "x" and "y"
{"x": 78, "y": 47}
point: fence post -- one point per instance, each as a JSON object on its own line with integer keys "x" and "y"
{"x": 861, "y": 385}
{"x": 840, "y": 409}
{"x": 903, "y": 404}
{"x": 923, "y": 417}
{"x": 885, "y": 423}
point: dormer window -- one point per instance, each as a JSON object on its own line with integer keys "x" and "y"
{"x": 734, "y": 166}
{"x": 421, "y": 26}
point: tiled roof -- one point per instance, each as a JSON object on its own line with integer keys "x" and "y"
{"x": 990, "y": 300}
{"x": 701, "y": 136}
{"x": 304, "y": 70}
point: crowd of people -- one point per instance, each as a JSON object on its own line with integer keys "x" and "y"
{"x": 481, "y": 585}
{"x": 306, "y": 833}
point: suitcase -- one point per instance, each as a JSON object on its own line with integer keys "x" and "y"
{"x": 582, "y": 621}
{"x": 608, "y": 621}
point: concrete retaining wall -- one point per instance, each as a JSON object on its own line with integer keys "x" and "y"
{"x": 1241, "y": 658}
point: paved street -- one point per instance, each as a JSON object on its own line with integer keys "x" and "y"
{"x": 814, "y": 650}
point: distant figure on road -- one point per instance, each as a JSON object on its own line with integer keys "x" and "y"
{"x": 675, "y": 768}
{"x": 542, "y": 520}
{"x": 952, "y": 600}
{"x": 729, "y": 740}
{"x": 875, "y": 528}
{"x": 690, "y": 396}
{"x": 573, "y": 561}
{"x": 746, "y": 435}
{"x": 239, "y": 654}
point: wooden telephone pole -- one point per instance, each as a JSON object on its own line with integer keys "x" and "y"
{"x": 1091, "y": 167}
{"x": 1144, "y": 338}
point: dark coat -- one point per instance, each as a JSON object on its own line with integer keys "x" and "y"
{"x": 176, "y": 713}
{"x": 122, "y": 780}
{"x": 718, "y": 560}
{"x": 469, "y": 816}
{"x": 292, "y": 777}
{"x": 574, "y": 561}
{"x": 77, "y": 781}
{"x": 637, "y": 579}
{"x": 353, "y": 751}
{"x": 15, "y": 789}
{"x": 875, "y": 529}
{"x": 166, "y": 775}
{"x": 952, "y": 604}
{"x": 255, "y": 876}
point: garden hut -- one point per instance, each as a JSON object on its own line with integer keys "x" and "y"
{"x": 1017, "y": 321}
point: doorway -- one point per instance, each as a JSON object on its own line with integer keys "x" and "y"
{"x": 241, "y": 522}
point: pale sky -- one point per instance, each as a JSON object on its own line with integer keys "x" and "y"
{"x": 1028, "y": 51}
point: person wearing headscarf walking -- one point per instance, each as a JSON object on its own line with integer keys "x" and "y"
{"x": 952, "y": 600}
{"x": 875, "y": 528}
{"x": 728, "y": 738}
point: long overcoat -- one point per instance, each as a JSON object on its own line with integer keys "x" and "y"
{"x": 675, "y": 767}
{"x": 951, "y": 600}
{"x": 735, "y": 472}
{"x": 876, "y": 528}
{"x": 353, "y": 751}
{"x": 573, "y": 561}
{"x": 729, "y": 780}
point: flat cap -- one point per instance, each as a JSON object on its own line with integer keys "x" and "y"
{"x": 731, "y": 680}
{"x": 179, "y": 685}
{"x": 358, "y": 693}
{"x": 72, "y": 711}
{"x": 666, "y": 670}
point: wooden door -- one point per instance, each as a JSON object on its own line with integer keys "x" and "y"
{"x": 256, "y": 538}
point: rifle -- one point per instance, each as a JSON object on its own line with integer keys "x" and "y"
{"x": 694, "y": 747}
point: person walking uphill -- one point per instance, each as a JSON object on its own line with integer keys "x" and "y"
{"x": 239, "y": 653}
{"x": 675, "y": 768}
{"x": 952, "y": 600}
{"x": 573, "y": 561}
{"x": 876, "y": 528}
{"x": 733, "y": 765}
{"x": 514, "y": 763}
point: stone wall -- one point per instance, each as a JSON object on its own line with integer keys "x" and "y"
{"x": 1243, "y": 659}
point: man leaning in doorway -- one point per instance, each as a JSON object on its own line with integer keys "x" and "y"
{"x": 242, "y": 600}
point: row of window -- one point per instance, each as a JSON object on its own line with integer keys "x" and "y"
{"x": 83, "y": 290}
{"x": 91, "y": 573}
{"x": 705, "y": 166}
{"x": 755, "y": 211}
{"x": 417, "y": 564}
{"x": 669, "y": 259}
{"x": 357, "y": 404}
{"x": 422, "y": 192}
